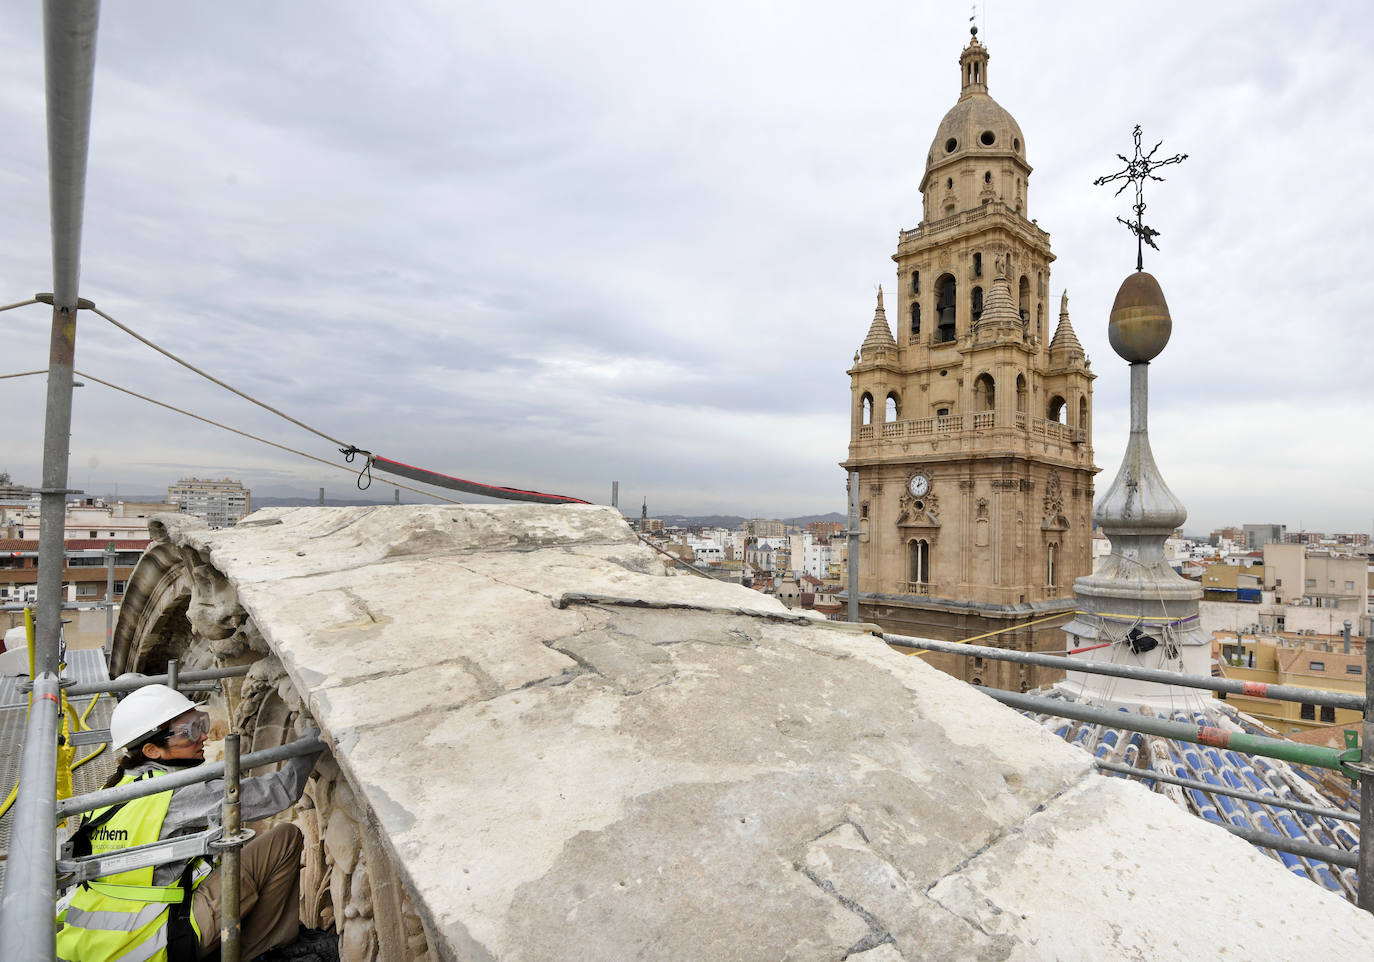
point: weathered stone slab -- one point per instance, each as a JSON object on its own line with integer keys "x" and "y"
{"x": 561, "y": 751}
{"x": 1111, "y": 870}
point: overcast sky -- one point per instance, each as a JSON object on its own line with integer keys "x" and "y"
{"x": 558, "y": 245}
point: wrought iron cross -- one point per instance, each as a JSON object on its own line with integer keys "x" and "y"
{"x": 1139, "y": 169}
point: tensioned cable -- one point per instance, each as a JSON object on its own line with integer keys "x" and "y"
{"x": 349, "y": 451}
{"x": 22, "y": 374}
{"x": 10, "y": 307}
{"x": 245, "y": 434}
{"x": 210, "y": 377}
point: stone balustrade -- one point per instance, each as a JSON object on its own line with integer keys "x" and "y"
{"x": 980, "y": 421}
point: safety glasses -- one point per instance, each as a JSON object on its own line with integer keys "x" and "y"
{"x": 192, "y": 729}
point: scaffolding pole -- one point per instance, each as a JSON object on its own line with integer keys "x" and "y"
{"x": 187, "y": 776}
{"x": 1296, "y": 693}
{"x": 1158, "y": 776}
{"x": 852, "y": 563}
{"x": 26, "y": 915}
{"x": 1295, "y": 752}
{"x": 1365, "y": 895}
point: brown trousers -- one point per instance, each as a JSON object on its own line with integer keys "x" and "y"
{"x": 269, "y": 894}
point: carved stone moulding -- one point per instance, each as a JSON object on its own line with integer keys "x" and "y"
{"x": 178, "y": 605}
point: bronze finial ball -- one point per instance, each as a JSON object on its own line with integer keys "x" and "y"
{"x": 1140, "y": 324}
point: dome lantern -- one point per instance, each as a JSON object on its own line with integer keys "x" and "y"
{"x": 973, "y": 67}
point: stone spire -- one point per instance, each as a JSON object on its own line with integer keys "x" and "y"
{"x": 879, "y": 337}
{"x": 1065, "y": 348}
{"x": 1135, "y": 599}
{"x": 1000, "y": 315}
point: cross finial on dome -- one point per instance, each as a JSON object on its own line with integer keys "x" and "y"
{"x": 1139, "y": 169}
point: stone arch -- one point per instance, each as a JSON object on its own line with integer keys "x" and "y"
{"x": 984, "y": 393}
{"x": 1020, "y": 394}
{"x": 975, "y": 304}
{"x": 946, "y": 294}
{"x": 892, "y": 407}
{"x": 1057, "y": 410}
{"x": 866, "y": 408}
{"x": 1082, "y": 413}
{"x": 178, "y": 605}
{"x": 1023, "y": 298}
{"x": 915, "y": 318}
{"x": 918, "y": 561}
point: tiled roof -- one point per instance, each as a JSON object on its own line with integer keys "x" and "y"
{"x": 1222, "y": 767}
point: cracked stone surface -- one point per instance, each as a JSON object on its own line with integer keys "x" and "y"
{"x": 570, "y": 753}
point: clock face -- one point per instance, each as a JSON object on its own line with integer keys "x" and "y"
{"x": 918, "y": 485}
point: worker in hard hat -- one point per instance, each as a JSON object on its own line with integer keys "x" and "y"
{"x": 172, "y": 912}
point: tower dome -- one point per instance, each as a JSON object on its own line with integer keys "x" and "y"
{"x": 978, "y": 148}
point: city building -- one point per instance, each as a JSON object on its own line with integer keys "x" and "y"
{"x": 971, "y": 428}
{"x": 217, "y": 503}
{"x": 1314, "y": 589}
{"x": 1259, "y": 535}
{"x": 1291, "y": 659}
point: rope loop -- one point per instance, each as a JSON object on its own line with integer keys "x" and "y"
{"x": 349, "y": 454}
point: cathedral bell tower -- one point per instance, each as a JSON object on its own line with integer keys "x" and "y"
{"x": 970, "y": 424}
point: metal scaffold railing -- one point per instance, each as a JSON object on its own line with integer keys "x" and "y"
{"x": 1355, "y": 761}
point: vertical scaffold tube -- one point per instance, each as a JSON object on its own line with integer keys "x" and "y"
{"x": 26, "y": 915}
{"x": 1365, "y": 896}
{"x": 229, "y": 861}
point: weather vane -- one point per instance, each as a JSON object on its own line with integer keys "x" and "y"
{"x": 1139, "y": 169}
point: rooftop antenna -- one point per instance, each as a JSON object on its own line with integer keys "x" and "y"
{"x": 1139, "y": 168}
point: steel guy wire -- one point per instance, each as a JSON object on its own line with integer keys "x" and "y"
{"x": 228, "y": 387}
{"x": 252, "y": 437}
{"x": 10, "y": 307}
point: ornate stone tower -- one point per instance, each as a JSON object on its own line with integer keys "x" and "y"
{"x": 971, "y": 428}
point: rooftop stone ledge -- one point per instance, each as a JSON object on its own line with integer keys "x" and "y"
{"x": 712, "y": 781}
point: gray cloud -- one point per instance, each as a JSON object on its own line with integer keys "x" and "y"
{"x": 557, "y": 246}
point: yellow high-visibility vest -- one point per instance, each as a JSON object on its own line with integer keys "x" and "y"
{"x": 123, "y": 917}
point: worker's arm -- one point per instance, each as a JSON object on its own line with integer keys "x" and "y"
{"x": 193, "y": 806}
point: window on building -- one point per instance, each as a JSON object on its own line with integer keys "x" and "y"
{"x": 87, "y": 590}
{"x": 915, "y": 282}
{"x": 942, "y": 412}
{"x": 1354, "y": 670}
{"x": 1056, "y": 409}
{"x": 1020, "y": 394}
{"x": 915, "y": 319}
{"x": 1024, "y": 290}
{"x": 976, "y": 303}
{"x": 1350, "y": 586}
{"x": 1049, "y": 564}
{"x": 866, "y": 405}
{"x": 1316, "y": 666}
{"x": 1306, "y": 713}
{"x": 919, "y": 557}
{"x": 977, "y": 265}
{"x": 893, "y": 407}
{"x": 95, "y": 534}
{"x": 1311, "y": 583}
{"x": 1328, "y": 714}
{"x": 119, "y": 587}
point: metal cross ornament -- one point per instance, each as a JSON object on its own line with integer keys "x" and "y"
{"x": 1139, "y": 169}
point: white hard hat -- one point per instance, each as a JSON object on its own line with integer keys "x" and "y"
{"x": 145, "y": 711}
